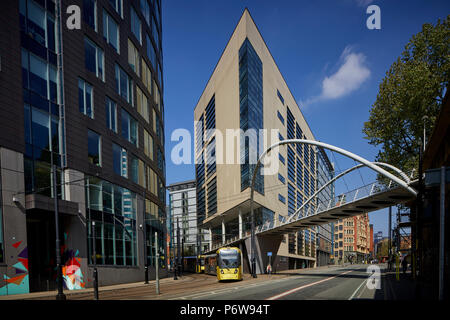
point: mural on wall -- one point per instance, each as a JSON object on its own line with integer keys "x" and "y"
{"x": 71, "y": 270}
{"x": 18, "y": 283}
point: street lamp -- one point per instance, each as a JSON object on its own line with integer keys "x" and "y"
{"x": 60, "y": 295}
{"x": 144, "y": 231}
{"x": 95, "y": 262}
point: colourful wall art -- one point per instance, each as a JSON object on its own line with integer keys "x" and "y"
{"x": 17, "y": 283}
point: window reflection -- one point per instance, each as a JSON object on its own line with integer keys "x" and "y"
{"x": 113, "y": 209}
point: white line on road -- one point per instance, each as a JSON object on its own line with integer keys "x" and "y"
{"x": 304, "y": 286}
{"x": 227, "y": 290}
{"x": 357, "y": 289}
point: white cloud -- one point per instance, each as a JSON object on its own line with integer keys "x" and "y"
{"x": 348, "y": 78}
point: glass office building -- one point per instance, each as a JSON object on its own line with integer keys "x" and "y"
{"x": 90, "y": 102}
{"x": 246, "y": 93}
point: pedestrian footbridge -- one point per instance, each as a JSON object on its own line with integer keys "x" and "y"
{"x": 372, "y": 197}
{"x": 391, "y": 188}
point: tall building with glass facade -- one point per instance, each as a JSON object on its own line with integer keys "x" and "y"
{"x": 88, "y": 101}
{"x": 246, "y": 93}
{"x": 183, "y": 216}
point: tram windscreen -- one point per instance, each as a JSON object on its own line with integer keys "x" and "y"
{"x": 229, "y": 259}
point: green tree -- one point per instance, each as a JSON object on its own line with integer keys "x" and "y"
{"x": 383, "y": 249}
{"x": 413, "y": 87}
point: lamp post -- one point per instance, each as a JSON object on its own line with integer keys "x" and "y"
{"x": 174, "y": 261}
{"x": 156, "y": 262}
{"x": 59, "y": 281}
{"x": 95, "y": 262}
{"x": 178, "y": 246}
{"x": 144, "y": 231}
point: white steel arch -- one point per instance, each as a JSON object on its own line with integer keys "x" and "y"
{"x": 346, "y": 153}
{"x": 341, "y": 175}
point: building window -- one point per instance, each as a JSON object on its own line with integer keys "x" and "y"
{"x": 129, "y": 128}
{"x": 111, "y": 114}
{"x": 111, "y": 31}
{"x": 120, "y": 160}
{"x": 148, "y": 145}
{"x": 134, "y": 169}
{"x": 155, "y": 34}
{"x": 251, "y": 110}
{"x": 94, "y": 59}
{"x": 281, "y": 178}
{"x": 146, "y": 75}
{"x": 118, "y": 6}
{"x": 39, "y": 76}
{"x": 136, "y": 25}
{"x": 283, "y": 161}
{"x": 115, "y": 239}
{"x": 291, "y": 165}
{"x": 142, "y": 104}
{"x": 85, "y": 98}
{"x": 212, "y": 196}
{"x": 280, "y": 117}
{"x": 145, "y": 10}
{"x": 38, "y": 23}
{"x": 151, "y": 54}
{"x": 281, "y": 198}
{"x": 133, "y": 58}
{"x": 124, "y": 84}
{"x": 290, "y": 124}
{"x": 94, "y": 148}
{"x": 280, "y": 97}
{"x": 90, "y": 13}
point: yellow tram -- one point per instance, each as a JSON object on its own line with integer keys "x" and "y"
{"x": 226, "y": 264}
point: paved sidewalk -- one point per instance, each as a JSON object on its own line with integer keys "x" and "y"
{"x": 52, "y": 294}
{"x": 405, "y": 288}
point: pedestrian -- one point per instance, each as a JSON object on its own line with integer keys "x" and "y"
{"x": 269, "y": 269}
{"x": 404, "y": 265}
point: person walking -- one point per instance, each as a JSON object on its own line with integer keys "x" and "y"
{"x": 404, "y": 265}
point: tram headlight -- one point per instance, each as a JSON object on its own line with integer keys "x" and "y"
{"x": 221, "y": 271}
{"x": 235, "y": 271}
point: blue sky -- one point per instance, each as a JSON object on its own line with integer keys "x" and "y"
{"x": 332, "y": 63}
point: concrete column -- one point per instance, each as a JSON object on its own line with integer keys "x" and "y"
{"x": 240, "y": 224}
{"x": 12, "y": 186}
{"x": 223, "y": 232}
{"x": 210, "y": 239}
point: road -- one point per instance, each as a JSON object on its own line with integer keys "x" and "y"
{"x": 334, "y": 283}
{"x": 330, "y": 283}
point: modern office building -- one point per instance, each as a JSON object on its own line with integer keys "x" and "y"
{"x": 352, "y": 239}
{"x": 371, "y": 246}
{"x": 88, "y": 101}
{"x": 183, "y": 216}
{"x": 247, "y": 91}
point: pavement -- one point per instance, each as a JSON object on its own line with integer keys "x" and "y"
{"x": 90, "y": 291}
{"x": 345, "y": 282}
{"x": 402, "y": 287}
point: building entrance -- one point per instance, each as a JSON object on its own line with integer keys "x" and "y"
{"x": 41, "y": 250}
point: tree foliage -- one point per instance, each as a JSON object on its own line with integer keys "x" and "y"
{"x": 414, "y": 87}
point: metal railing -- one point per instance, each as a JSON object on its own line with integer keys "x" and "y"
{"x": 318, "y": 206}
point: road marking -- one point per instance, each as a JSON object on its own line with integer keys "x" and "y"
{"x": 304, "y": 286}
{"x": 354, "y": 293}
{"x": 227, "y": 290}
